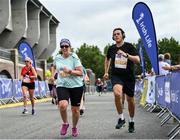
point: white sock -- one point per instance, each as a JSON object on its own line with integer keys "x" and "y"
{"x": 121, "y": 116}
{"x": 131, "y": 119}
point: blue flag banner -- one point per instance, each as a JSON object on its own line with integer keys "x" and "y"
{"x": 143, "y": 20}
{"x": 175, "y": 94}
{"x": 26, "y": 51}
{"x": 141, "y": 55}
{"x": 160, "y": 95}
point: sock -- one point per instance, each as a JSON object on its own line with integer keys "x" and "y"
{"x": 25, "y": 107}
{"x": 121, "y": 116}
{"x": 131, "y": 119}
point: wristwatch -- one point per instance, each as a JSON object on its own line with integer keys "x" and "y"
{"x": 127, "y": 55}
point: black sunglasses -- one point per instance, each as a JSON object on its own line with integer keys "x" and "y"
{"x": 26, "y": 61}
{"x": 66, "y": 46}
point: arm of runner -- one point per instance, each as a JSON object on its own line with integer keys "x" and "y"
{"x": 106, "y": 68}
{"x": 135, "y": 59}
{"x": 77, "y": 71}
{"x": 34, "y": 73}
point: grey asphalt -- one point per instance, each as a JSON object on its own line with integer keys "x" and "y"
{"x": 98, "y": 122}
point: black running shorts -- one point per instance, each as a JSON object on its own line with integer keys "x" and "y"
{"x": 29, "y": 85}
{"x": 74, "y": 94}
{"x": 128, "y": 86}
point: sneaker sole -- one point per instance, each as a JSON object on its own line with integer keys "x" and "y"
{"x": 25, "y": 113}
{"x": 131, "y": 131}
{"x": 121, "y": 126}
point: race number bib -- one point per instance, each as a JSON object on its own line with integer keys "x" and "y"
{"x": 120, "y": 61}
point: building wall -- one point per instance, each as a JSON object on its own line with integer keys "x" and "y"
{"x": 30, "y": 21}
{"x": 7, "y": 66}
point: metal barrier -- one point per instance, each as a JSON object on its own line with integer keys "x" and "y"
{"x": 164, "y": 93}
{"x": 10, "y": 90}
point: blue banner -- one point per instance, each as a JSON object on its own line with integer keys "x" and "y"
{"x": 150, "y": 96}
{"x": 167, "y": 93}
{"x": 175, "y": 94}
{"x": 160, "y": 95}
{"x": 36, "y": 90}
{"x": 143, "y": 20}
{"x": 5, "y": 88}
{"x": 42, "y": 88}
{"x": 141, "y": 55}
{"x": 26, "y": 51}
{"x": 17, "y": 88}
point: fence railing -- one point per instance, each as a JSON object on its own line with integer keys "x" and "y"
{"x": 162, "y": 92}
{"x": 10, "y": 90}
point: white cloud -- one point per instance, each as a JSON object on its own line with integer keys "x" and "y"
{"x": 92, "y": 21}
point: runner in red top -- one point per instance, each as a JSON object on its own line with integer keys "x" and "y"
{"x": 28, "y": 76}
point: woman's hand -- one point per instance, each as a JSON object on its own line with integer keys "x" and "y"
{"x": 66, "y": 70}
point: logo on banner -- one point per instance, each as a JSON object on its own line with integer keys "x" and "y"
{"x": 6, "y": 86}
{"x": 143, "y": 20}
{"x": 150, "y": 98}
{"x": 160, "y": 92}
{"x": 167, "y": 92}
{"x": 174, "y": 96}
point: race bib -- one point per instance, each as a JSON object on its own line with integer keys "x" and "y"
{"x": 26, "y": 79}
{"x": 120, "y": 61}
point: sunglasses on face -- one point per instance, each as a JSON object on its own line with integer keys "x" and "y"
{"x": 26, "y": 61}
{"x": 64, "y": 46}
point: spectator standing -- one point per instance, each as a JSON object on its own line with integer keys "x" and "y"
{"x": 167, "y": 58}
{"x": 163, "y": 66}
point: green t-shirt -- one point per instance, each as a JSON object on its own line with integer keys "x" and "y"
{"x": 66, "y": 80}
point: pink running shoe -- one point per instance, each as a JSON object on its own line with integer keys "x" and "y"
{"x": 74, "y": 132}
{"x": 64, "y": 128}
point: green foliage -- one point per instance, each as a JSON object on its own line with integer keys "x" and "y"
{"x": 50, "y": 59}
{"x": 164, "y": 46}
{"x": 106, "y": 48}
{"x": 170, "y": 46}
{"x": 92, "y": 58}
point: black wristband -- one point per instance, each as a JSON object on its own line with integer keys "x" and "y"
{"x": 127, "y": 55}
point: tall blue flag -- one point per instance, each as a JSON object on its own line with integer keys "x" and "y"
{"x": 26, "y": 51}
{"x": 143, "y": 20}
{"x": 141, "y": 55}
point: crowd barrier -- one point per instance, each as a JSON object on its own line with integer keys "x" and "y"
{"x": 163, "y": 92}
{"x": 10, "y": 90}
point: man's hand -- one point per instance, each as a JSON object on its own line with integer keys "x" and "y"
{"x": 106, "y": 76}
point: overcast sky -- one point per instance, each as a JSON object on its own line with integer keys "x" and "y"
{"x": 92, "y": 21}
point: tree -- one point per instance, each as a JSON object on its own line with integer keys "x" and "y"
{"x": 171, "y": 46}
{"x": 50, "y": 59}
{"x": 92, "y": 58}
